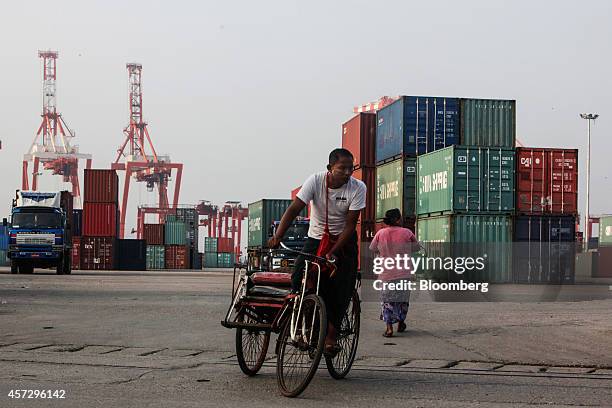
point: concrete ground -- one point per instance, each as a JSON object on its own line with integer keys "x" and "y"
{"x": 154, "y": 338}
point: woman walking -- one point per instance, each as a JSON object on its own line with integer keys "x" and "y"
{"x": 387, "y": 243}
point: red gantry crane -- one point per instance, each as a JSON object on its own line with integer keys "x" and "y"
{"x": 52, "y": 144}
{"x": 218, "y": 221}
{"x": 140, "y": 160}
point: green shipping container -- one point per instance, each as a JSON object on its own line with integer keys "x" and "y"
{"x": 396, "y": 187}
{"x": 211, "y": 260}
{"x": 175, "y": 233}
{"x": 225, "y": 260}
{"x": 156, "y": 257}
{"x": 262, "y": 215}
{"x": 605, "y": 230}
{"x": 485, "y": 236}
{"x": 488, "y": 122}
{"x": 210, "y": 244}
{"x": 466, "y": 179}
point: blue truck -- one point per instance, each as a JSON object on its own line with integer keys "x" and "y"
{"x": 40, "y": 232}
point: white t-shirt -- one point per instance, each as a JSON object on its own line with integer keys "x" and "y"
{"x": 350, "y": 196}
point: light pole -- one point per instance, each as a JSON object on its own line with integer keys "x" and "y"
{"x": 587, "y": 231}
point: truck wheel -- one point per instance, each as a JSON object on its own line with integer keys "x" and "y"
{"x": 60, "y": 266}
{"x": 14, "y": 267}
{"x": 67, "y": 265}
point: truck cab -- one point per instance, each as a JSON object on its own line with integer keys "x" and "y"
{"x": 40, "y": 232}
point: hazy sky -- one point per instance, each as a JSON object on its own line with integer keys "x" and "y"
{"x": 251, "y": 95}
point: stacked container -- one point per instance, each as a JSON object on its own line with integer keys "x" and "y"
{"x": 262, "y": 215}
{"x": 177, "y": 254}
{"x": 190, "y": 217}
{"x": 359, "y": 137}
{"x": 156, "y": 258}
{"x": 131, "y": 254}
{"x": 546, "y": 206}
{"x": 465, "y": 192}
{"x": 100, "y": 219}
{"x": 211, "y": 248}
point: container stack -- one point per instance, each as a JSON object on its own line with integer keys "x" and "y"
{"x": 547, "y": 205}
{"x": 191, "y": 219}
{"x": 359, "y": 137}
{"x": 210, "y": 252}
{"x": 154, "y": 236}
{"x": 177, "y": 251}
{"x": 449, "y": 162}
{"x": 100, "y": 220}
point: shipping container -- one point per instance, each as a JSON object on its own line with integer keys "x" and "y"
{"x": 67, "y": 204}
{"x": 544, "y": 249}
{"x": 131, "y": 254}
{"x": 225, "y": 245}
{"x": 547, "y": 181}
{"x": 368, "y": 176}
{"x": 604, "y": 262}
{"x": 488, "y": 122}
{"x": 175, "y": 233}
{"x": 77, "y": 223}
{"x": 100, "y": 219}
{"x": 211, "y": 244}
{"x": 177, "y": 257}
{"x": 211, "y": 260}
{"x": 4, "y": 238}
{"x": 466, "y": 179}
{"x": 196, "y": 259}
{"x": 488, "y": 237}
{"x": 415, "y": 125}
{"x": 225, "y": 260}
{"x": 262, "y": 215}
{"x": 153, "y": 234}
{"x": 101, "y": 186}
{"x": 97, "y": 253}
{"x": 605, "y": 230}
{"x": 189, "y": 216}
{"x": 76, "y": 253}
{"x": 156, "y": 257}
{"x": 359, "y": 137}
{"x": 396, "y": 188}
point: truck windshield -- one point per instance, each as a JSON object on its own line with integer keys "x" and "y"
{"x": 37, "y": 220}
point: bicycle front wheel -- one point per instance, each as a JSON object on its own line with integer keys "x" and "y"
{"x": 299, "y": 357}
{"x": 251, "y": 346}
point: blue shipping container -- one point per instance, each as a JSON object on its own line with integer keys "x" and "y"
{"x": 537, "y": 228}
{"x": 3, "y": 238}
{"x": 415, "y": 125}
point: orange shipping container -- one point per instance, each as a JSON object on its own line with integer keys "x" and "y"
{"x": 177, "y": 257}
{"x": 359, "y": 137}
{"x": 368, "y": 176}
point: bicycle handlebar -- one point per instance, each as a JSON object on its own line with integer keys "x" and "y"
{"x": 318, "y": 258}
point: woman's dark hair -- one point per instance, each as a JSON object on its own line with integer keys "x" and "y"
{"x": 336, "y": 154}
{"x": 392, "y": 216}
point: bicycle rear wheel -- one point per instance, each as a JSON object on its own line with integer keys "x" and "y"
{"x": 348, "y": 338}
{"x": 251, "y": 346}
{"x": 298, "y": 358}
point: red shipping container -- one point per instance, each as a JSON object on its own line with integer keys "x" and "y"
{"x": 177, "y": 257}
{"x": 294, "y": 193}
{"x": 225, "y": 245}
{"x": 547, "y": 181}
{"x": 101, "y": 186}
{"x": 100, "y": 219}
{"x": 153, "y": 234}
{"x": 604, "y": 262}
{"x": 76, "y": 253}
{"x": 368, "y": 176}
{"x": 97, "y": 253}
{"x": 359, "y": 137}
